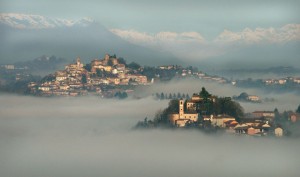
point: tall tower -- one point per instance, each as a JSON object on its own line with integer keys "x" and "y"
{"x": 181, "y": 108}
{"x": 78, "y": 63}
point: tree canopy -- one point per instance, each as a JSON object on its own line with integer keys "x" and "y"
{"x": 298, "y": 109}
{"x": 134, "y": 65}
{"x": 204, "y": 94}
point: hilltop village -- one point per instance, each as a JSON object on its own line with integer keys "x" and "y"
{"x": 112, "y": 75}
{"x": 214, "y": 114}
{"x": 109, "y": 77}
{"x": 102, "y": 77}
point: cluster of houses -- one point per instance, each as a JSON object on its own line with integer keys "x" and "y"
{"x": 76, "y": 79}
{"x": 282, "y": 81}
{"x": 259, "y": 123}
{"x": 193, "y": 72}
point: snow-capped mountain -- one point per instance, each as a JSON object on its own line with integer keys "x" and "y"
{"x": 24, "y": 37}
{"x": 26, "y": 21}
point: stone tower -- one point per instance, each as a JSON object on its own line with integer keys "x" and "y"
{"x": 78, "y": 62}
{"x": 181, "y": 108}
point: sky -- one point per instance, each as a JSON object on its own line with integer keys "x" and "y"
{"x": 206, "y": 17}
{"x": 231, "y": 33}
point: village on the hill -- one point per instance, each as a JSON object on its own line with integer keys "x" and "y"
{"x": 212, "y": 114}
{"x": 97, "y": 77}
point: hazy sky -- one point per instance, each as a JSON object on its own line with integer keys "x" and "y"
{"x": 230, "y": 33}
{"x": 207, "y": 17}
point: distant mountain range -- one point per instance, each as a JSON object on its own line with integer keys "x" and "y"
{"x": 24, "y": 37}
{"x": 25, "y": 21}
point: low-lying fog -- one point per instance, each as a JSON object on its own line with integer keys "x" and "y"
{"x": 76, "y": 137}
{"x": 283, "y": 101}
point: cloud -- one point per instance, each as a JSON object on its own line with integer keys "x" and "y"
{"x": 289, "y": 32}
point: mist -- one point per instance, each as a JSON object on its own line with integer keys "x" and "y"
{"x": 94, "y": 137}
{"x": 93, "y": 42}
{"x": 283, "y": 101}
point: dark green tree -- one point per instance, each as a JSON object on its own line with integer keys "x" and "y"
{"x": 134, "y": 66}
{"x": 83, "y": 79}
{"x": 225, "y": 105}
{"x": 99, "y": 72}
{"x": 110, "y": 63}
{"x": 161, "y": 117}
{"x": 277, "y": 115}
{"x": 174, "y": 96}
{"x": 88, "y": 67}
{"x": 285, "y": 116}
{"x": 204, "y": 94}
{"x": 178, "y": 95}
{"x": 162, "y": 96}
{"x": 206, "y": 105}
{"x": 124, "y": 95}
{"x": 121, "y": 61}
{"x": 170, "y": 96}
{"x": 48, "y": 78}
{"x": 298, "y": 109}
{"x": 157, "y": 96}
{"x": 188, "y": 96}
{"x": 243, "y": 96}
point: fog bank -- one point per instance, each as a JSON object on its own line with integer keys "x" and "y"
{"x": 283, "y": 101}
{"x": 91, "y": 137}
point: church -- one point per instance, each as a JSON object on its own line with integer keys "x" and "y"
{"x": 182, "y": 118}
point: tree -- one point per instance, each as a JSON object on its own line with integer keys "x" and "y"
{"x": 178, "y": 95}
{"x": 88, "y": 67}
{"x": 161, "y": 117}
{"x": 204, "y": 94}
{"x": 157, "y": 96}
{"x": 83, "y": 79}
{"x": 99, "y": 72}
{"x": 162, "y": 96}
{"x": 227, "y": 106}
{"x": 188, "y": 96}
{"x": 207, "y": 103}
{"x": 48, "y": 78}
{"x": 120, "y": 95}
{"x": 134, "y": 66}
{"x": 298, "y": 109}
{"x": 174, "y": 96}
{"x": 183, "y": 96}
{"x": 243, "y": 96}
{"x": 123, "y": 95}
{"x": 277, "y": 115}
{"x": 110, "y": 63}
{"x": 285, "y": 115}
{"x": 121, "y": 61}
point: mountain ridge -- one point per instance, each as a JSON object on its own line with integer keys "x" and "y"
{"x": 88, "y": 40}
{"x": 29, "y": 21}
